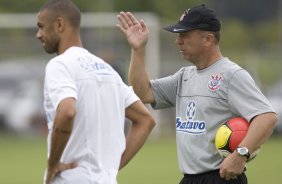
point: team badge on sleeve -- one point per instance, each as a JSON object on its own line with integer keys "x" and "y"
{"x": 215, "y": 82}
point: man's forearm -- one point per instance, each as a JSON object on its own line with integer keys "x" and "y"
{"x": 135, "y": 140}
{"x": 259, "y": 131}
{"x": 63, "y": 124}
{"x": 138, "y": 77}
{"x": 60, "y": 137}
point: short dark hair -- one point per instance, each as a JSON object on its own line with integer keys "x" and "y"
{"x": 64, "y": 8}
{"x": 216, "y": 35}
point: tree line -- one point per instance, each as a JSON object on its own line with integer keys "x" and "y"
{"x": 246, "y": 10}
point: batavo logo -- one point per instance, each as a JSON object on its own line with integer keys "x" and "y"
{"x": 89, "y": 65}
{"x": 190, "y": 125}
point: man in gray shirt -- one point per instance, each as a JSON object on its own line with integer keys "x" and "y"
{"x": 205, "y": 95}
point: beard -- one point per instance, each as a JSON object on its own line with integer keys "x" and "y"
{"x": 52, "y": 46}
{"x": 51, "y": 43}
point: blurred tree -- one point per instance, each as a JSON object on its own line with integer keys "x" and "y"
{"x": 134, "y": 5}
{"x": 165, "y": 9}
{"x": 248, "y": 10}
{"x": 245, "y": 10}
{"x": 266, "y": 32}
{"x": 172, "y": 9}
{"x": 235, "y": 35}
{"x": 8, "y": 6}
{"x": 246, "y": 24}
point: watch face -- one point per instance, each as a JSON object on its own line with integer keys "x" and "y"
{"x": 243, "y": 151}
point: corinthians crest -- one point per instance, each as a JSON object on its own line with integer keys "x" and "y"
{"x": 215, "y": 82}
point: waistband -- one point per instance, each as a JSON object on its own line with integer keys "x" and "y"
{"x": 204, "y": 173}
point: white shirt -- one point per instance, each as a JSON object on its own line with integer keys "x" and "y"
{"x": 97, "y": 140}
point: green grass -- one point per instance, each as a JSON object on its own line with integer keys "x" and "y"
{"x": 155, "y": 163}
{"x": 23, "y": 161}
{"x": 266, "y": 168}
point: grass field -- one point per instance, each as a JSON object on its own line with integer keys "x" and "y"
{"x": 23, "y": 160}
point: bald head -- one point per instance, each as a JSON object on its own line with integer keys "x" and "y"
{"x": 63, "y": 8}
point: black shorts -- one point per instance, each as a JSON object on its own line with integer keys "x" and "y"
{"x": 212, "y": 177}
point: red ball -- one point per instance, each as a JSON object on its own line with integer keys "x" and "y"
{"x": 230, "y": 134}
{"x": 239, "y": 127}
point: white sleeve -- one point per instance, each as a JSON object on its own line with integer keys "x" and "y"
{"x": 59, "y": 83}
{"x": 129, "y": 95}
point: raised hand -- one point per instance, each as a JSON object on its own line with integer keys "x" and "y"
{"x": 135, "y": 31}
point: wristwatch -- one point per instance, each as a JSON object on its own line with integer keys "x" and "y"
{"x": 243, "y": 151}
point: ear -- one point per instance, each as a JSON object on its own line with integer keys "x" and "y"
{"x": 60, "y": 24}
{"x": 209, "y": 39}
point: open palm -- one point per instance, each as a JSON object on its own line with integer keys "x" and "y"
{"x": 135, "y": 31}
